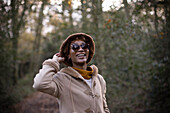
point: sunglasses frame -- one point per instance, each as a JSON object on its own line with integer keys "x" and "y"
{"x": 84, "y": 46}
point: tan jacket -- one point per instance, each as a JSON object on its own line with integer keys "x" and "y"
{"x": 73, "y": 93}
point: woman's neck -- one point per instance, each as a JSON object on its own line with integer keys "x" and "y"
{"x": 84, "y": 66}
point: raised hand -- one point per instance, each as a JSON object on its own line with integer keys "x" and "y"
{"x": 58, "y": 58}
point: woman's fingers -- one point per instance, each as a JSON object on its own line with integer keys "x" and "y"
{"x": 58, "y": 54}
{"x": 59, "y": 58}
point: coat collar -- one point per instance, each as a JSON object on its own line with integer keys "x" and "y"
{"x": 72, "y": 72}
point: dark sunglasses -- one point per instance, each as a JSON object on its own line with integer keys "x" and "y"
{"x": 76, "y": 47}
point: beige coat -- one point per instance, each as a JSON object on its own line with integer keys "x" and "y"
{"x": 73, "y": 93}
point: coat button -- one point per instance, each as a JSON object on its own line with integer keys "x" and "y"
{"x": 91, "y": 111}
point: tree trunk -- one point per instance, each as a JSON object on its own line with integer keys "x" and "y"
{"x": 63, "y": 9}
{"x": 126, "y": 5}
{"x": 14, "y": 38}
{"x": 156, "y": 17}
{"x": 36, "y": 47}
{"x": 84, "y": 14}
{"x": 167, "y": 17}
{"x": 97, "y": 23}
{"x": 97, "y": 14}
{"x": 17, "y": 22}
{"x": 70, "y": 13}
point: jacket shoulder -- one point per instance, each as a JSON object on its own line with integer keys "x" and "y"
{"x": 101, "y": 79}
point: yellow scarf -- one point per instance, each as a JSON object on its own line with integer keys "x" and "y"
{"x": 86, "y": 74}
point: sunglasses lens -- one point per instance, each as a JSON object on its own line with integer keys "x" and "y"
{"x": 84, "y": 46}
{"x": 75, "y": 47}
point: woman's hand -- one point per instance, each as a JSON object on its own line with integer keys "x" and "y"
{"x": 58, "y": 58}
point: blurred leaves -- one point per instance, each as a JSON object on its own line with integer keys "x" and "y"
{"x": 132, "y": 53}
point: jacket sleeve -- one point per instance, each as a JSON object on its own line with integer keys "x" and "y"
{"x": 44, "y": 80}
{"x": 106, "y": 109}
{"x": 103, "y": 85}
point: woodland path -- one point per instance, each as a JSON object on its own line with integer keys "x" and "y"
{"x": 37, "y": 103}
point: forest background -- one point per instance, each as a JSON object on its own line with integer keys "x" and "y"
{"x": 132, "y": 48}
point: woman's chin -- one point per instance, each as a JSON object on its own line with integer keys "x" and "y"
{"x": 81, "y": 62}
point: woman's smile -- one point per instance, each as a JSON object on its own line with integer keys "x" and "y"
{"x": 81, "y": 55}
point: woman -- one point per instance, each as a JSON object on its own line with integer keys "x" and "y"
{"x": 78, "y": 87}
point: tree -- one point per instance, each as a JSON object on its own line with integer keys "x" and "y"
{"x": 17, "y": 21}
{"x": 38, "y": 36}
{"x": 12, "y": 21}
{"x": 126, "y": 5}
{"x": 96, "y": 13}
{"x": 84, "y": 14}
{"x": 159, "y": 96}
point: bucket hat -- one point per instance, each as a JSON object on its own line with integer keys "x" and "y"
{"x": 65, "y": 46}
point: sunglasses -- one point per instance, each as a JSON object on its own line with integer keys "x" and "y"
{"x": 76, "y": 47}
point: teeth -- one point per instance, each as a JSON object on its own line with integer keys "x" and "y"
{"x": 81, "y": 55}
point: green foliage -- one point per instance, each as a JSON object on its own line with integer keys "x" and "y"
{"x": 23, "y": 88}
{"x": 131, "y": 53}
{"x": 6, "y": 75}
{"x": 9, "y": 93}
{"x": 126, "y": 64}
{"x": 160, "y": 81}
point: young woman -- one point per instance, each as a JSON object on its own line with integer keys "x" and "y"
{"x": 78, "y": 87}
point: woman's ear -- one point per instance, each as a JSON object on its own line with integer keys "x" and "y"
{"x": 69, "y": 57}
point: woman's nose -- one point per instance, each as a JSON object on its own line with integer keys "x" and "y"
{"x": 80, "y": 49}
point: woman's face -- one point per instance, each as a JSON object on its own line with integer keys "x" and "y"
{"x": 79, "y": 52}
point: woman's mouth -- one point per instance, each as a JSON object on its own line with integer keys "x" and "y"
{"x": 81, "y": 55}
